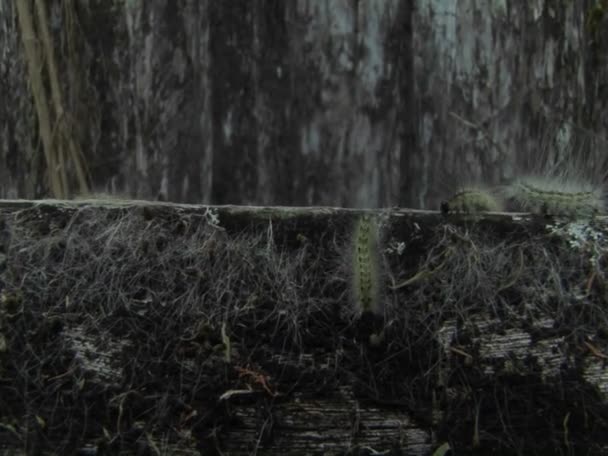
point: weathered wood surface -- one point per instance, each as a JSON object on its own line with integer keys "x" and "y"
{"x": 307, "y": 102}
{"x": 151, "y": 328}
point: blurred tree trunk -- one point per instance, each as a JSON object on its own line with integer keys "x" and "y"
{"x": 345, "y": 102}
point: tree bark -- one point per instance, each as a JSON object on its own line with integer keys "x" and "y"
{"x": 344, "y": 103}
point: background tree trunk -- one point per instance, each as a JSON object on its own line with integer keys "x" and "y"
{"x": 345, "y": 102}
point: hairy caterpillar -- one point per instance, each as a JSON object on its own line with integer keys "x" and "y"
{"x": 366, "y": 267}
{"x": 556, "y": 196}
{"x": 563, "y": 176}
{"x": 472, "y": 200}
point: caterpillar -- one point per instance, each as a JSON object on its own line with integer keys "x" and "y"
{"x": 472, "y": 200}
{"x": 563, "y": 176}
{"x": 556, "y": 196}
{"x": 366, "y": 267}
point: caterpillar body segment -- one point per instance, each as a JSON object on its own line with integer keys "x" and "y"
{"x": 366, "y": 268}
{"x": 556, "y": 197}
{"x": 472, "y": 200}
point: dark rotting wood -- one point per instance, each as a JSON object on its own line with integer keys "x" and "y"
{"x": 159, "y": 328}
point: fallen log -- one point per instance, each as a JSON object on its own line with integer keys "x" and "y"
{"x": 157, "y": 328}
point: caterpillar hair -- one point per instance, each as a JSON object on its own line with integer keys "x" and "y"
{"x": 366, "y": 267}
{"x": 555, "y": 196}
{"x": 472, "y": 200}
{"x": 563, "y": 176}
